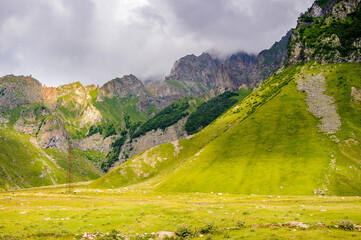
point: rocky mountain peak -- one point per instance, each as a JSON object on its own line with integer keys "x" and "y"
{"x": 194, "y": 69}
{"x": 321, "y": 8}
{"x": 124, "y": 87}
{"x": 200, "y": 75}
{"x": 17, "y": 90}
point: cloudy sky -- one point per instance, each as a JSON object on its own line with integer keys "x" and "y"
{"x": 93, "y": 41}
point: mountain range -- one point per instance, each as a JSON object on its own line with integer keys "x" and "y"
{"x": 285, "y": 121}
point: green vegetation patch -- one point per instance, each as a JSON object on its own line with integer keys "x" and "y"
{"x": 115, "y": 109}
{"x": 83, "y": 168}
{"x": 166, "y": 117}
{"x": 113, "y": 155}
{"x": 347, "y": 31}
{"x": 209, "y": 111}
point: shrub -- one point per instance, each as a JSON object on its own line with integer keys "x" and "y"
{"x": 185, "y": 231}
{"x": 241, "y": 224}
{"x": 346, "y": 225}
{"x": 95, "y": 129}
{"x": 209, "y": 228}
{"x": 110, "y": 131}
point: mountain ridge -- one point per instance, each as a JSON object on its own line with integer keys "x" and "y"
{"x": 296, "y": 134}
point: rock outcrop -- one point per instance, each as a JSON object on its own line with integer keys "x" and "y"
{"x": 53, "y": 134}
{"x": 129, "y": 86}
{"x": 152, "y": 138}
{"x": 356, "y": 96}
{"x": 30, "y": 119}
{"x": 90, "y": 116}
{"x": 18, "y": 90}
{"x": 125, "y": 87}
{"x": 224, "y": 81}
{"x": 328, "y": 32}
{"x": 195, "y": 69}
{"x": 95, "y": 142}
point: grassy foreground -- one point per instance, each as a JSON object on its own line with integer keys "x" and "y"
{"x": 51, "y": 214}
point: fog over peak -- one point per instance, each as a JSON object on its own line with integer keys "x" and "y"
{"x": 93, "y": 41}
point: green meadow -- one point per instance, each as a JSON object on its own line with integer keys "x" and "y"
{"x": 53, "y": 214}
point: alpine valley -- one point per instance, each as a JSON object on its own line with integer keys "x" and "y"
{"x": 107, "y": 125}
{"x": 285, "y": 122}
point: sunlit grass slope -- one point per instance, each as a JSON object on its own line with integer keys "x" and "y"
{"x": 23, "y": 165}
{"x": 268, "y": 143}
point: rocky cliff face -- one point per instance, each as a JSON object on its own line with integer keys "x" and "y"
{"x": 53, "y": 134}
{"x": 224, "y": 80}
{"x": 90, "y": 116}
{"x": 190, "y": 76}
{"x": 30, "y": 120}
{"x": 198, "y": 76}
{"x": 268, "y": 61}
{"x": 152, "y": 138}
{"x": 328, "y": 32}
{"x": 95, "y": 142}
{"x": 128, "y": 86}
{"x": 125, "y": 87}
{"x": 195, "y": 69}
{"x": 18, "y": 90}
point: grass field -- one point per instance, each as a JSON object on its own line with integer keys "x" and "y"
{"x": 53, "y": 214}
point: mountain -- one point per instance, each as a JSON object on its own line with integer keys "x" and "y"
{"x": 298, "y": 133}
{"x": 272, "y": 142}
{"x": 107, "y": 125}
{"x": 206, "y": 75}
{"x": 46, "y": 121}
{"x": 177, "y": 121}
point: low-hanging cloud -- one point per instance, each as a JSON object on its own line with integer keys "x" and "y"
{"x": 93, "y": 41}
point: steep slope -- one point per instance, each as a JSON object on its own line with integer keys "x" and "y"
{"x": 23, "y": 164}
{"x": 177, "y": 121}
{"x": 280, "y": 149}
{"x": 269, "y": 143}
{"x": 55, "y": 118}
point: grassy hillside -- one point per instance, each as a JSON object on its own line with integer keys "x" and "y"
{"x": 210, "y": 110}
{"x": 115, "y": 109}
{"x": 23, "y": 165}
{"x": 269, "y": 143}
